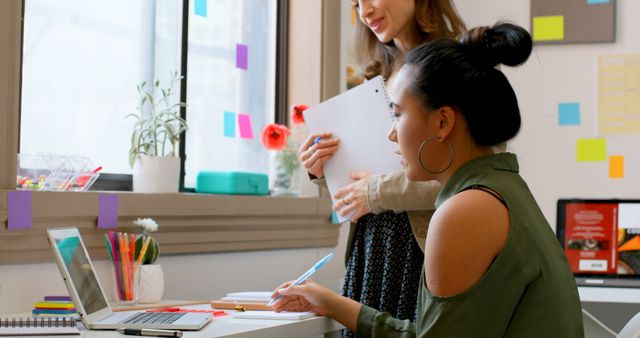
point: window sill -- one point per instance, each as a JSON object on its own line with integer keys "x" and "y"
{"x": 189, "y": 223}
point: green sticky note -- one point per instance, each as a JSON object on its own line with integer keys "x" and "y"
{"x": 548, "y": 28}
{"x": 591, "y": 150}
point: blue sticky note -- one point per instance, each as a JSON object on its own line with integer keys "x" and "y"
{"x": 229, "y": 124}
{"x": 200, "y": 7}
{"x": 19, "y": 209}
{"x": 569, "y": 114}
{"x": 595, "y": 2}
{"x": 334, "y": 218}
{"x": 107, "y": 211}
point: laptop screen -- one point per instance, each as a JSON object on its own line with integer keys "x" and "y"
{"x": 601, "y": 239}
{"x": 74, "y": 256}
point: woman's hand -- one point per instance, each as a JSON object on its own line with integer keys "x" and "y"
{"x": 352, "y": 199}
{"x": 307, "y": 296}
{"x": 314, "y": 155}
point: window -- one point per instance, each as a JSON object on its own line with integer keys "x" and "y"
{"x": 83, "y": 59}
{"x": 230, "y": 97}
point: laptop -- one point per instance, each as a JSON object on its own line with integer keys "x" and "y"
{"x": 89, "y": 298}
{"x": 601, "y": 239}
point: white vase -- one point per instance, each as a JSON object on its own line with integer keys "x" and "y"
{"x": 151, "y": 285}
{"x": 156, "y": 174}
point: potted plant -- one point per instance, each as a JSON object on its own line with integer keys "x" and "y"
{"x": 155, "y": 138}
{"x": 151, "y": 276}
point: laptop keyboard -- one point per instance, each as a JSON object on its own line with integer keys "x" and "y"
{"x": 154, "y": 318}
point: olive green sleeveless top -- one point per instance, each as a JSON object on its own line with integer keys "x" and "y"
{"x": 529, "y": 289}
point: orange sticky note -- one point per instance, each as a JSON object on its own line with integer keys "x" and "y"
{"x": 354, "y": 16}
{"x": 616, "y": 166}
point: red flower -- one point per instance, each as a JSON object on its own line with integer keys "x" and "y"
{"x": 274, "y": 136}
{"x": 296, "y": 113}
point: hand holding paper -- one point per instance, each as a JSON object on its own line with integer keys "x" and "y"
{"x": 352, "y": 199}
{"x": 360, "y": 119}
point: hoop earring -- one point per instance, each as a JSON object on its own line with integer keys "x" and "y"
{"x": 436, "y": 172}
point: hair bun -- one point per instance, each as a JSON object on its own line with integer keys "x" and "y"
{"x": 504, "y": 43}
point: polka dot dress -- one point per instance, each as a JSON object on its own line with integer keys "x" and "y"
{"x": 384, "y": 265}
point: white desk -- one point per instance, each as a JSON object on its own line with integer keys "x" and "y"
{"x": 240, "y": 328}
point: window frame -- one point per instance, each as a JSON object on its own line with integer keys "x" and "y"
{"x": 192, "y": 223}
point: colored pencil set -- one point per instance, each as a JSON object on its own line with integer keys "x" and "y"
{"x": 122, "y": 250}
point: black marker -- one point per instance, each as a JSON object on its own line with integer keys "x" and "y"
{"x": 150, "y": 332}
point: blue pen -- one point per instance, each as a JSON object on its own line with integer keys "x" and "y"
{"x": 317, "y": 139}
{"x": 306, "y": 275}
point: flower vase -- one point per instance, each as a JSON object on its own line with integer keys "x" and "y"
{"x": 286, "y": 176}
{"x": 151, "y": 282}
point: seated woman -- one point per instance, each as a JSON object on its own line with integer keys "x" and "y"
{"x": 492, "y": 267}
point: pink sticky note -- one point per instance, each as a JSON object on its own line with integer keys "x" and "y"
{"x": 107, "y": 211}
{"x": 244, "y": 120}
{"x": 19, "y": 210}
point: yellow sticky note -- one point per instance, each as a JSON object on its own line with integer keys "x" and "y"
{"x": 591, "y": 150}
{"x": 548, "y": 28}
{"x": 616, "y": 166}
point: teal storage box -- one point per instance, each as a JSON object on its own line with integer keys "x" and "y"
{"x": 232, "y": 183}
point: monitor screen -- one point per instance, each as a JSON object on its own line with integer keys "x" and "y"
{"x": 601, "y": 239}
{"x": 82, "y": 277}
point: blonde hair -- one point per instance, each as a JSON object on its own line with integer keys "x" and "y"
{"x": 434, "y": 19}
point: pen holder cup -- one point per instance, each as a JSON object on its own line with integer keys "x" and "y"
{"x": 126, "y": 283}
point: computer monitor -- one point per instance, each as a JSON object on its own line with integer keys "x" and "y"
{"x": 601, "y": 239}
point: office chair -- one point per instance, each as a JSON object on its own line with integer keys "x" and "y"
{"x": 632, "y": 329}
{"x": 593, "y": 328}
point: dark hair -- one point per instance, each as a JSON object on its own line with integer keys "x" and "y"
{"x": 463, "y": 75}
{"x": 435, "y": 19}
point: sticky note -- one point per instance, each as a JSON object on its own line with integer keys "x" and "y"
{"x": 19, "y": 209}
{"x": 569, "y": 114}
{"x": 334, "y": 218}
{"x": 548, "y": 28}
{"x": 616, "y": 166}
{"x": 591, "y": 150}
{"x": 244, "y": 122}
{"x": 229, "y": 124}
{"x": 107, "y": 211}
{"x": 200, "y": 7}
{"x": 354, "y": 16}
{"x": 242, "y": 56}
{"x": 596, "y": 2}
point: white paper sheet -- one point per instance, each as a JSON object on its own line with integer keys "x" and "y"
{"x": 361, "y": 119}
{"x": 273, "y": 315}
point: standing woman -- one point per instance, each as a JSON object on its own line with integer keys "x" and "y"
{"x": 382, "y": 253}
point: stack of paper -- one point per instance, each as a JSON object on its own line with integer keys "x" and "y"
{"x": 249, "y": 297}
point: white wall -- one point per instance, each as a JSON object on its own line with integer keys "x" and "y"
{"x": 197, "y": 277}
{"x": 564, "y": 73}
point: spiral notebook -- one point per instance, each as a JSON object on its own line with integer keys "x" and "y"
{"x": 361, "y": 119}
{"x": 38, "y": 326}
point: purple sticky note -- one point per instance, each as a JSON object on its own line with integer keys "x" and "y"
{"x": 242, "y": 56}
{"x": 19, "y": 208}
{"x": 107, "y": 211}
{"x": 244, "y": 121}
